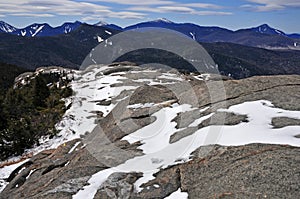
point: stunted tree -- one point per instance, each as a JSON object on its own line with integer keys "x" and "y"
{"x": 40, "y": 91}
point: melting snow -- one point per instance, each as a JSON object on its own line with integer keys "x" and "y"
{"x": 170, "y": 77}
{"x": 193, "y": 35}
{"x": 137, "y": 106}
{"x": 74, "y": 147}
{"x": 278, "y": 32}
{"x": 178, "y": 195}
{"x": 6, "y": 171}
{"x": 163, "y": 128}
{"x": 108, "y": 32}
{"x": 200, "y": 120}
{"x": 68, "y": 29}
{"x": 91, "y": 87}
{"x": 156, "y": 145}
{"x": 100, "y": 39}
{"x": 30, "y": 173}
{"x": 23, "y": 33}
{"x": 156, "y": 186}
{"x": 38, "y": 30}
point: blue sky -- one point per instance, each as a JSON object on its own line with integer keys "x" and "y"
{"x": 231, "y": 14}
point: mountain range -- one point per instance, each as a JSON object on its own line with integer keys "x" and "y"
{"x": 255, "y": 51}
{"x": 39, "y": 30}
{"x": 45, "y": 30}
{"x": 192, "y": 30}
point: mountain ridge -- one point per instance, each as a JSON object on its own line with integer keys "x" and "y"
{"x": 263, "y": 28}
{"x": 39, "y": 29}
{"x": 69, "y": 50}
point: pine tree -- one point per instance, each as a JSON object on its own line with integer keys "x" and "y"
{"x": 40, "y": 91}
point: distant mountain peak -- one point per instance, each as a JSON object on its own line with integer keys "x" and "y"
{"x": 108, "y": 25}
{"x": 36, "y": 25}
{"x": 264, "y": 26}
{"x": 5, "y": 27}
{"x": 164, "y": 20}
{"x": 101, "y": 23}
{"x": 75, "y": 22}
{"x": 266, "y": 29}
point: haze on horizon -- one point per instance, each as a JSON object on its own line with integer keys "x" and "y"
{"x": 231, "y": 14}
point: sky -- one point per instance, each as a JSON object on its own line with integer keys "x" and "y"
{"x": 231, "y": 14}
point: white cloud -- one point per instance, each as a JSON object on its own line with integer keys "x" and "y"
{"x": 93, "y": 10}
{"x": 142, "y": 9}
{"x": 137, "y": 2}
{"x": 128, "y": 15}
{"x": 212, "y": 13}
{"x": 204, "y": 5}
{"x": 32, "y": 15}
{"x": 50, "y": 8}
{"x": 264, "y": 8}
{"x": 68, "y": 7}
{"x": 178, "y": 9}
{"x": 58, "y": 7}
{"x": 271, "y": 5}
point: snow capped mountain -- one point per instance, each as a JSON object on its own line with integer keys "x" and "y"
{"x": 101, "y": 23}
{"x": 266, "y": 29}
{"x": 38, "y": 30}
{"x": 262, "y": 36}
{"x": 33, "y": 30}
{"x": 6, "y": 28}
{"x": 69, "y": 27}
{"x": 160, "y": 23}
{"x": 163, "y": 20}
{"x": 46, "y": 30}
{"x": 107, "y": 25}
{"x": 194, "y": 31}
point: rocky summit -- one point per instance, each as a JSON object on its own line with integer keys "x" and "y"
{"x": 133, "y": 132}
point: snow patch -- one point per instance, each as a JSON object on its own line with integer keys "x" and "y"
{"x": 108, "y": 32}
{"x": 74, "y": 147}
{"x": 193, "y": 35}
{"x": 137, "y": 106}
{"x": 99, "y": 39}
{"x": 6, "y": 171}
{"x": 203, "y": 77}
{"x": 163, "y": 20}
{"x": 101, "y": 23}
{"x": 163, "y": 128}
{"x": 160, "y": 154}
{"x": 178, "y": 195}
{"x": 278, "y": 32}
{"x": 170, "y": 76}
{"x": 200, "y": 120}
{"x": 37, "y": 30}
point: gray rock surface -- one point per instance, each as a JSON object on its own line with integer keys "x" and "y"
{"x": 252, "y": 171}
{"x": 280, "y": 122}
